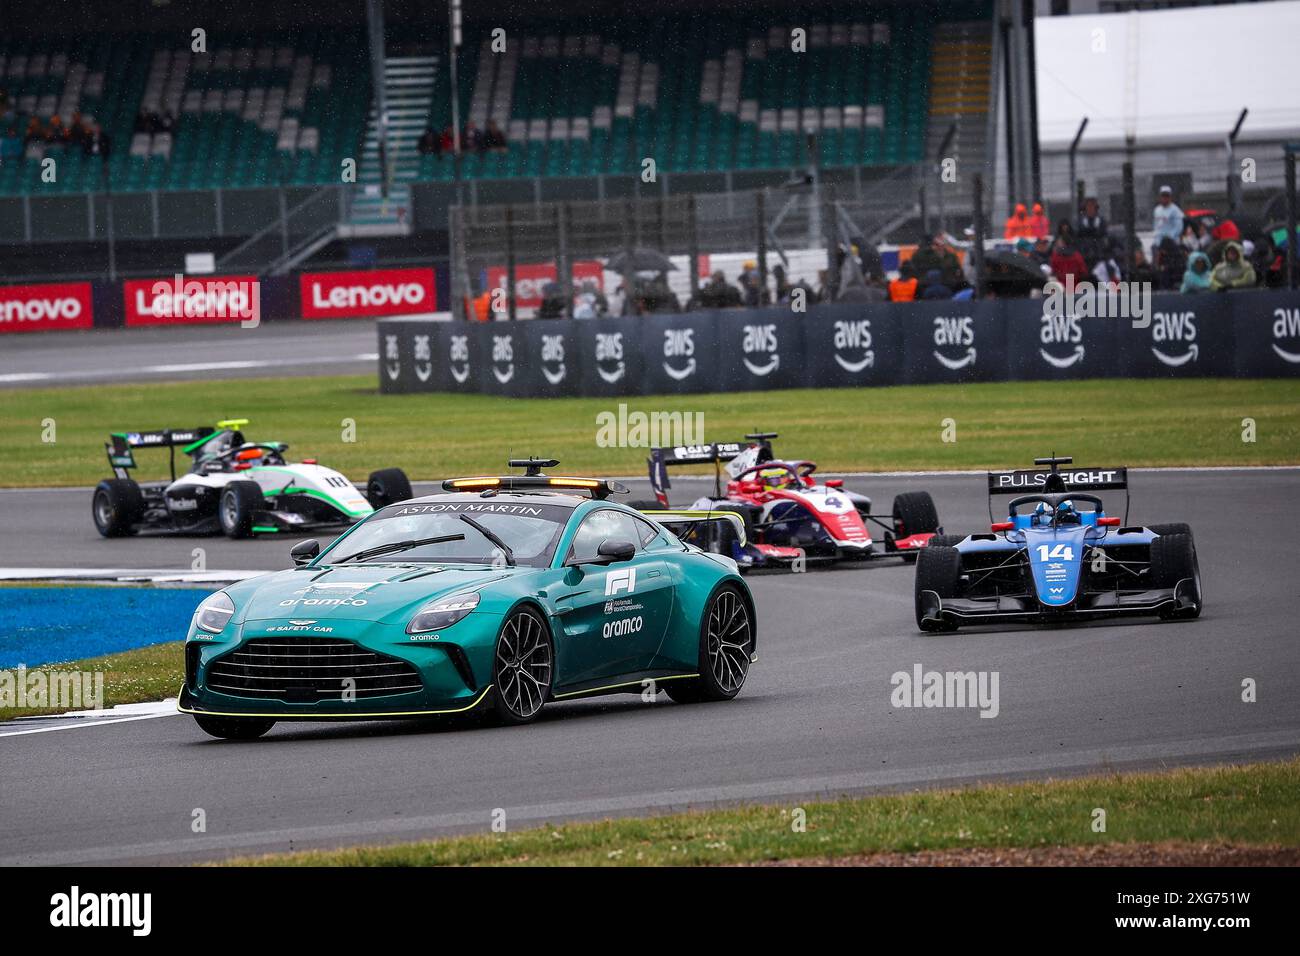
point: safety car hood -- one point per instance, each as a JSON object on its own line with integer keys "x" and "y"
{"x": 357, "y": 592}
{"x": 1056, "y": 560}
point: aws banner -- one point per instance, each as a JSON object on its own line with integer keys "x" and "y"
{"x": 1251, "y": 334}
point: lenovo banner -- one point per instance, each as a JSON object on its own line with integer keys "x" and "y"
{"x": 530, "y": 280}
{"x": 182, "y": 300}
{"x": 367, "y": 294}
{"x": 46, "y": 308}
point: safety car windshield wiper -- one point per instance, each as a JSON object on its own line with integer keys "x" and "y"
{"x": 501, "y": 545}
{"x": 394, "y": 546}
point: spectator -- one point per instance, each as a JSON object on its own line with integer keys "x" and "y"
{"x": 447, "y": 140}
{"x": 934, "y": 287}
{"x": 1041, "y": 250}
{"x": 1017, "y": 225}
{"x": 1067, "y": 262}
{"x": 494, "y": 140}
{"x": 1222, "y": 234}
{"x": 1170, "y": 264}
{"x": 11, "y": 147}
{"x": 1143, "y": 272}
{"x": 903, "y": 289}
{"x": 782, "y": 283}
{"x": 935, "y": 254}
{"x": 1197, "y": 276}
{"x": 590, "y": 302}
{"x": 1234, "y": 272}
{"x": 1167, "y": 218}
{"x": 472, "y": 140}
{"x": 1039, "y": 225}
{"x": 428, "y": 143}
{"x": 552, "y": 306}
{"x": 98, "y": 143}
{"x": 751, "y": 289}
{"x": 1195, "y": 237}
{"x": 1269, "y": 265}
{"x": 717, "y": 293}
{"x": 1092, "y": 230}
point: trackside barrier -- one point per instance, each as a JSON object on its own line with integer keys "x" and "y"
{"x": 1244, "y": 335}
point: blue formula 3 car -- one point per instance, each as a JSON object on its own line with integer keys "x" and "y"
{"x": 1058, "y": 557}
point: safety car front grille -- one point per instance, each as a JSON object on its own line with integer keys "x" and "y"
{"x": 310, "y": 669}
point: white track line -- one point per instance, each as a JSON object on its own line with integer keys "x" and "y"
{"x": 83, "y": 723}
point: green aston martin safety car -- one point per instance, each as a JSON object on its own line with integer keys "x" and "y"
{"x": 504, "y": 594}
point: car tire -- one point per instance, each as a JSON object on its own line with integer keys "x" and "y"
{"x": 521, "y": 679}
{"x": 1176, "y": 527}
{"x": 387, "y": 486}
{"x": 915, "y": 513}
{"x": 234, "y": 728}
{"x": 938, "y": 569}
{"x": 238, "y": 506}
{"x": 116, "y": 506}
{"x": 945, "y": 540}
{"x": 1173, "y": 558}
{"x": 723, "y": 664}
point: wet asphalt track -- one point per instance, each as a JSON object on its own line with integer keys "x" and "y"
{"x": 188, "y": 353}
{"x": 815, "y": 718}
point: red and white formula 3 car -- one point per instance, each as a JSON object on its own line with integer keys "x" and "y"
{"x": 786, "y": 514}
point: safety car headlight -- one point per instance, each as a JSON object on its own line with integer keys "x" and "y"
{"x": 214, "y": 613}
{"x": 442, "y": 613}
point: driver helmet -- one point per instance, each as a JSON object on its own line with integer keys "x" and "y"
{"x": 775, "y": 477}
{"x": 1065, "y": 513}
{"x": 1042, "y": 513}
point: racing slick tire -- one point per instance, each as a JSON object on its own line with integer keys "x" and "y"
{"x": 938, "y": 569}
{"x": 915, "y": 513}
{"x": 646, "y": 504}
{"x": 116, "y": 507}
{"x": 1173, "y": 558}
{"x": 945, "y": 540}
{"x": 523, "y": 668}
{"x": 234, "y": 728}
{"x": 387, "y": 486}
{"x": 726, "y": 645}
{"x": 1176, "y": 527}
{"x": 240, "y": 501}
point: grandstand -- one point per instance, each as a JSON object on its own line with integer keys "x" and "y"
{"x": 694, "y": 94}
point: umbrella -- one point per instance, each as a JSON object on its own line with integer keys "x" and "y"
{"x": 1012, "y": 273}
{"x": 640, "y": 260}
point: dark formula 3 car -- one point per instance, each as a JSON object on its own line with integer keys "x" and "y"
{"x": 786, "y": 513}
{"x": 1058, "y": 557}
{"x": 233, "y": 486}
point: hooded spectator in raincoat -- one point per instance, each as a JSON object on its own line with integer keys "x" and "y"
{"x": 1197, "y": 276}
{"x": 1234, "y": 272}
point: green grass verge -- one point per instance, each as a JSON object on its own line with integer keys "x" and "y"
{"x": 1252, "y": 804}
{"x": 130, "y": 677}
{"x": 1133, "y": 422}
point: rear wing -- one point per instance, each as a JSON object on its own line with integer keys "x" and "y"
{"x": 1030, "y": 480}
{"x": 661, "y": 459}
{"x": 1057, "y": 480}
{"x": 683, "y": 522}
{"x": 121, "y": 446}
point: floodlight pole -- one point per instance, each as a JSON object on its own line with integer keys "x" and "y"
{"x": 453, "y": 48}
{"x": 1074, "y": 148}
{"x": 1234, "y": 180}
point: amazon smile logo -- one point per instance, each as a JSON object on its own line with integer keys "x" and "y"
{"x": 609, "y": 357}
{"x": 1286, "y": 325}
{"x": 854, "y": 338}
{"x": 458, "y": 358}
{"x": 955, "y": 332}
{"x": 760, "y": 340}
{"x": 503, "y": 357}
{"x": 1174, "y": 335}
{"x": 679, "y": 353}
{"x": 553, "y": 368}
